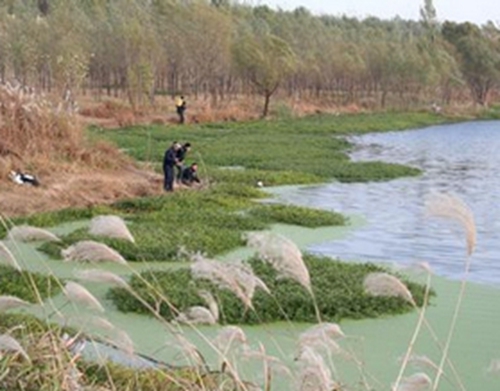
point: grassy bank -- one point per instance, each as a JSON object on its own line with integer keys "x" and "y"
{"x": 288, "y": 151}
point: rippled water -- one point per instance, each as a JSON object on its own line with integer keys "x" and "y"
{"x": 461, "y": 159}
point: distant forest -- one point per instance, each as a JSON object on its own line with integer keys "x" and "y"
{"x": 220, "y": 49}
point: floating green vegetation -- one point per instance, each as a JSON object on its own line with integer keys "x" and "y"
{"x": 26, "y": 285}
{"x": 337, "y": 286}
{"x": 297, "y": 215}
{"x": 209, "y": 221}
{"x": 296, "y": 150}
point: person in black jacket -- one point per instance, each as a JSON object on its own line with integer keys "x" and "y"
{"x": 181, "y": 155}
{"x": 169, "y": 161}
{"x": 190, "y": 175}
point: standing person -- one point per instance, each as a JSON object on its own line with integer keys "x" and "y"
{"x": 169, "y": 161}
{"x": 180, "y": 106}
{"x": 190, "y": 175}
{"x": 181, "y": 155}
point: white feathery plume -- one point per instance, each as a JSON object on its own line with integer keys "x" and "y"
{"x": 320, "y": 336}
{"x": 196, "y": 315}
{"x": 282, "y": 254}
{"x": 110, "y": 226}
{"x": 7, "y": 302}
{"x": 78, "y": 294}
{"x": 452, "y": 208}
{"x": 416, "y": 382}
{"x": 96, "y": 275}
{"x": 189, "y": 349}
{"x": 227, "y": 335}
{"x": 123, "y": 341}
{"x": 494, "y": 367}
{"x": 384, "y": 284}
{"x": 314, "y": 373}
{"x": 8, "y": 343}
{"x": 220, "y": 274}
{"x": 211, "y": 303}
{"x": 422, "y": 362}
{"x": 7, "y": 257}
{"x": 102, "y": 323}
{"x": 26, "y": 233}
{"x": 91, "y": 251}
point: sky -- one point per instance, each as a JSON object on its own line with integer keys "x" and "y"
{"x": 476, "y": 11}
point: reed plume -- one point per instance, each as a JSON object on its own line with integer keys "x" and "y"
{"x": 416, "y": 382}
{"x": 384, "y": 284}
{"x": 80, "y": 295}
{"x": 26, "y": 233}
{"x": 283, "y": 255}
{"x": 237, "y": 278}
{"x": 111, "y": 227}
{"x": 8, "y": 343}
{"x": 103, "y": 276}
{"x": 7, "y": 302}
{"x": 314, "y": 374}
{"x": 454, "y": 209}
{"x": 91, "y": 251}
{"x": 7, "y": 257}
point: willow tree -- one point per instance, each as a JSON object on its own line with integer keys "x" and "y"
{"x": 265, "y": 60}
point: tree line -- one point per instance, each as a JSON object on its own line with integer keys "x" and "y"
{"x": 220, "y": 49}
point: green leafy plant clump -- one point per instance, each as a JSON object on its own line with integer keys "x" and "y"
{"x": 25, "y": 285}
{"x": 297, "y": 215}
{"x": 337, "y": 286}
{"x": 211, "y": 221}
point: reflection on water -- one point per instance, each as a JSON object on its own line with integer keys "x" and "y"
{"x": 461, "y": 159}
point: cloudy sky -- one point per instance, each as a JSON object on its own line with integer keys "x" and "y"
{"x": 476, "y": 11}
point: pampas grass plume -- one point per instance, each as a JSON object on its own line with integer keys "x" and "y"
{"x": 383, "y": 284}
{"x": 282, "y": 254}
{"x": 78, "y": 294}
{"x": 7, "y": 257}
{"x": 8, "y": 302}
{"x": 8, "y": 343}
{"x": 417, "y": 382}
{"x": 96, "y": 275}
{"x": 91, "y": 251}
{"x": 110, "y": 226}
{"x": 452, "y": 208}
{"x": 26, "y": 233}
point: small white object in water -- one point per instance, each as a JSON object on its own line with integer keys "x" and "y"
{"x": 260, "y": 184}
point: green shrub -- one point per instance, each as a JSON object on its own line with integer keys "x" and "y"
{"x": 24, "y": 284}
{"x": 297, "y": 215}
{"x": 337, "y": 286}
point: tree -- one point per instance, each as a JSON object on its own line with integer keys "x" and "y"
{"x": 266, "y": 60}
{"x": 479, "y": 58}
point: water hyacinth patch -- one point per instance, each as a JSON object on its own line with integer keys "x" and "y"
{"x": 338, "y": 287}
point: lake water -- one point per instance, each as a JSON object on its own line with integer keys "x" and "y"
{"x": 460, "y": 159}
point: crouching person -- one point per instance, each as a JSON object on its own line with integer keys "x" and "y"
{"x": 190, "y": 175}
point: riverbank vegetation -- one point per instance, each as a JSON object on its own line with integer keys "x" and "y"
{"x": 338, "y": 287}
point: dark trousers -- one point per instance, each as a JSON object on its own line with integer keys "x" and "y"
{"x": 180, "y": 111}
{"x": 168, "y": 183}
